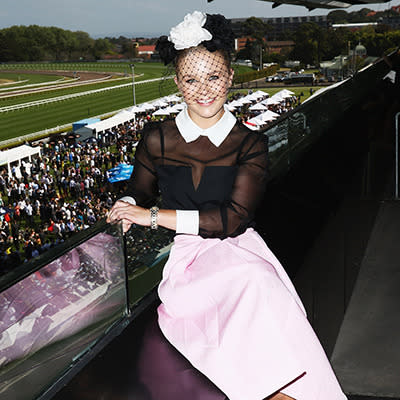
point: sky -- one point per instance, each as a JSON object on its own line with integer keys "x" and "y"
{"x": 131, "y": 18}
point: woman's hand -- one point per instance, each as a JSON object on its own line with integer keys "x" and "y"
{"x": 128, "y": 214}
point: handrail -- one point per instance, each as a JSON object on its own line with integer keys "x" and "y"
{"x": 396, "y": 192}
{"x": 302, "y": 126}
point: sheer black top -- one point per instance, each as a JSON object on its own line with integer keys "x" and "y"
{"x": 224, "y": 183}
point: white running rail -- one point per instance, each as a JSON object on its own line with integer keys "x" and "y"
{"x": 73, "y": 95}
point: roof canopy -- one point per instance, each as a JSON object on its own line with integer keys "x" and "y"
{"x": 112, "y": 122}
{"x": 330, "y": 4}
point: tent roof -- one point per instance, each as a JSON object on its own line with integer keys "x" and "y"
{"x": 87, "y": 121}
{"x": 111, "y": 122}
{"x": 17, "y": 153}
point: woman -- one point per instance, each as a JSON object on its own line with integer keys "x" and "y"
{"x": 227, "y": 304}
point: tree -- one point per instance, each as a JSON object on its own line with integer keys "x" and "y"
{"x": 85, "y": 44}
{"x": 37, "y": 43}
{"x": 256, "y": 29}
{"x": 60, "y": 43}
{"x": 306, "y": 48}
{"x": 100, "y": 47}
{"x": 247, "y": 52}
{"x": 338, "y": 17}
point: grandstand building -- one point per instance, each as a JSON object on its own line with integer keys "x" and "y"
{"x": 391, "y": 22}
{"x": 280, "y": 25}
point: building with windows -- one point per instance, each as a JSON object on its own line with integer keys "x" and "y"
{"x": 392, "y": 22}
{"x": 146, "y": 51}
{"x": 271, "y": 46}
{"x": 240, "y": 42}
{"x": 280, "y": 25}
{"x": 279, "y": 46}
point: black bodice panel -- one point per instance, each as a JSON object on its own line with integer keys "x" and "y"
{"x": 224, "y": 183}
{"x": 178, "y": 191}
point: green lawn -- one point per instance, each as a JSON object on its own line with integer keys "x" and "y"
{"x": 143, "y": 71}
{"x": 241, "y": 69}
{"x": 59, "y": 92}
{"x": 21, "y": 122}
{"x": 30, "y": 78}
{"x": 150, "y": 69}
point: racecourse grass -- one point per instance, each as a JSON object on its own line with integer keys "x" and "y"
{"x": 33, "y": 119}
{"x": 21, "y": 122}
{"x": 150, "y": 69}
{"x": 26, "y": 79}
{"x": 9, "y": 101}
{"x": 48, "y": 116}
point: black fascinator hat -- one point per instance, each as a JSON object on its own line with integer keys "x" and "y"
{"x": 222, "y": 33}
{"x": 166, "y": 50}
{"x": 214, "y": 25}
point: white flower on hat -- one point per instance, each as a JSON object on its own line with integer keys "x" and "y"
{"x": 190, "y": 32}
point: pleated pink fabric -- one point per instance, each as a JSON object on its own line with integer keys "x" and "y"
{"x": 229, "y": 307}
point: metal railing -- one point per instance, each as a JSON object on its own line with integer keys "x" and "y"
{"x": 396, "y": 173}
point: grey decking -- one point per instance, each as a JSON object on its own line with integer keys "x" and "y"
{"x": 366, "y": 356}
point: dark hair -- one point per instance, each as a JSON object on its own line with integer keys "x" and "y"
{"x": 222, "y": 39}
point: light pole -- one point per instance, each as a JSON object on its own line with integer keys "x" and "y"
{"x": 133, "y": 84}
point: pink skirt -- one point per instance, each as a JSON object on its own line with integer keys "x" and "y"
{"x": 229, "y": 307}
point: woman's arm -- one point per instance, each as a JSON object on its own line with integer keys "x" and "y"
{"x": 142, "y": 186}
{"x": 232, "y": 217}
{"x": 142, "y": 192}
{"x": 142, "y": 189}
{"x": 131, "y": 214}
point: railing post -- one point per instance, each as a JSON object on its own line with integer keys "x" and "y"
{"x": 396, "y": 194}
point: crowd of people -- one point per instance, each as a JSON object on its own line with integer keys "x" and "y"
{"x": 66, "y": 188}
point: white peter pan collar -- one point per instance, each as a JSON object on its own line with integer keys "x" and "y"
{"x": 216, "y": 133}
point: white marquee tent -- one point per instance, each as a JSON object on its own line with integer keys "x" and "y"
{"x": 169, "y": 110}
{"x": 267, "y": 116}
{"x": 258, "y": 107}
{"x": 7, "y": 157}
{"x": 111, "y": 122}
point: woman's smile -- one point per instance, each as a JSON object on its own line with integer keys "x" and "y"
{"x": 205, "y": 103}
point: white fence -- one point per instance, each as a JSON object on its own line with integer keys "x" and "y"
{"x": 73, "y": 95}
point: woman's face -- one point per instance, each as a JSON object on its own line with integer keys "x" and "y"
{"x": 204, "y": 79}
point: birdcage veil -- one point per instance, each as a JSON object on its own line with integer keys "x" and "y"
{"x": 198, "y": 51}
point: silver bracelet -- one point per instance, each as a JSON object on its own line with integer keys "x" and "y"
{"x": 154, "y": 217}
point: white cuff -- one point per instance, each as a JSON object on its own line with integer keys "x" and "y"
{"x": 128, "y": 199}
{"x": 187, "y": 221}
